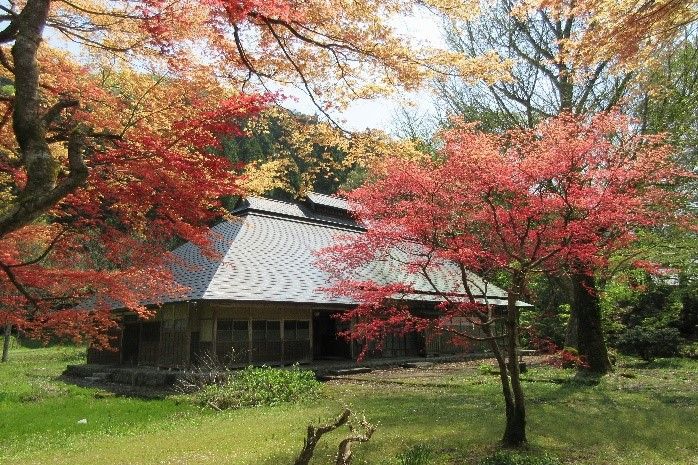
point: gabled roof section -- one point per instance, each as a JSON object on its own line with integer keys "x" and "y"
{"x": 328, "y": 201}
{"x": 295, "y": 210}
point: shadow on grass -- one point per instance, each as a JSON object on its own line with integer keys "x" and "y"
{"x": 656, "y": 364}
{"x": 108, "y": 389}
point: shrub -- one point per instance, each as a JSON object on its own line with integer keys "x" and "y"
{"x": 549, "y": 325}
{"x": 570, "y": 358}
{"x": 649, "y": 342}
{"x": 567, "y": 357}
{"x": 515, "y": 458}
{"x": 689, "y": 350}
{"x": 419, "y": 454}
{"x": 486, "y": 369}
{"x": 255, "y": 386}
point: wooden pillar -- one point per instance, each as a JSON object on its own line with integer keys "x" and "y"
{"x": 310, "y": 335}
{"x": 352, "y": 345}
{"x": 214, "y": 336}
{"x": 249, "y": 340}
{"x": 282, "y": 335}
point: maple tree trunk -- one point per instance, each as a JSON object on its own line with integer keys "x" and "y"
{"x": 515, "y": 429}
{"x": 6, "y": 342}
{"x": 572, "y": 330}
{"x": 42, "y": 189}
{"x": 515, "y": 432}
{"x": 587, "y": 311}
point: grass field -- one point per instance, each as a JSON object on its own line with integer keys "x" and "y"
{"x": 642, "y": 414}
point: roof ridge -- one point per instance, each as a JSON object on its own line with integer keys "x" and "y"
{"x": 287, "y": 202}
{"x": 307, "y": 220}
{"x": 334, "y": 196}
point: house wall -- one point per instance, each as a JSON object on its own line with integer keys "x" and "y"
{"x": 163, "y": 340}
{"x": 239, "y": 333}
{"x": 443, "y": 342}
{"x": 109, "y": 356}
{"x": 175, "y": 333}
{"x": 243, "y": 333}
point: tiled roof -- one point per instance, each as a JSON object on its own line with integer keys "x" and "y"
{"x": 263, "y": 258}
{"x": 268, "y": 254}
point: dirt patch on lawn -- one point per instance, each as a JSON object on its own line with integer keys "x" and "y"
{"x": 436, "y": 374}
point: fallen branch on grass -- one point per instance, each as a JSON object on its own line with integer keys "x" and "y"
{"x": 344, "y": 455}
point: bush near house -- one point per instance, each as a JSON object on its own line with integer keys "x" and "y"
{"x": 647, "y": 317}
{"x": 256, "y": 386}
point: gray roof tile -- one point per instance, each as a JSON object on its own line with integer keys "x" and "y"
{"x": 262, "y": 258}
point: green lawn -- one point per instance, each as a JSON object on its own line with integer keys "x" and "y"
{"x": 642, "y": 414}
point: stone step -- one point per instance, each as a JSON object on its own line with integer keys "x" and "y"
{"x": 420, "y": 365}
{"x": 349, "y": 371}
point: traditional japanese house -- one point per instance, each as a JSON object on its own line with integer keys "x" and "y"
{"x": 261, "y": 300}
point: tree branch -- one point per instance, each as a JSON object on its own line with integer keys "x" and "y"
{"x": 5, "y": 62}
{"x": 314, "y": 434}
{"x": 53, "y": 112}
{"x": 10, "y": 32}
{"x": 306, "y": 85}
{"x": 18, "y": 285}
{"x": 43, "y": 255}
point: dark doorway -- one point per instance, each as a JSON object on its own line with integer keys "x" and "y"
{"x": 327, "y": 344}
{"x": 149, "y": 343}
{"x": 194, "y": 346}
{"x": 129, "y": 344}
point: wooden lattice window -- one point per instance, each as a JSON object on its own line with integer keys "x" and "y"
{"x": 232, "y": 341}
{"x": 266, "y": 340}
{"x": 296, "y": 340}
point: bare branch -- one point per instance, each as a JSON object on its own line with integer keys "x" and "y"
{"x": 344, "y": 456}
{"x": 470, "y": 337}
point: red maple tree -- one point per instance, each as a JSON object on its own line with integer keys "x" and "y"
{"x": 556, "y": 198}
{"x": 110, "y": 238}
{"x": 108, "y": 131}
